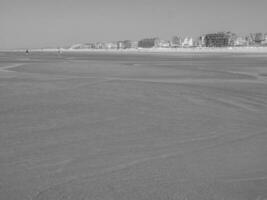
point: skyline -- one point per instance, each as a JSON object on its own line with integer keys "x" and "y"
{"x": 36, "y": 24}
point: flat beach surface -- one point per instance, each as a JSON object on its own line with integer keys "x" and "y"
{"x": 96, "y": 126}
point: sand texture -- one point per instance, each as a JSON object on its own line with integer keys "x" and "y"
{"x": 95, "y": 126}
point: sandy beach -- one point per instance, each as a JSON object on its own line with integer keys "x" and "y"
{"x": 105, "y": 126}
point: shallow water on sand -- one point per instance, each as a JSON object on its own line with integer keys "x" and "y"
{"x": 137, "y": 126}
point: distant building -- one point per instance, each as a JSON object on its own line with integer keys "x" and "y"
{"x": 127, "y": 44}
{"x": 240, "y": 41}
{"x": 232, "y": 38}
{"x": 148, "y": 42}
{"x": 99, "y": 45}
{"x": 176, "y": 42}
{"x": 89, "y": 46}
{"x": 200, "y": 41}
{"x": 264, "y": 43}
{"x": 217, "y": 40}
{"x": 120, "y": 45}
{"x": 110, "y": 45}
{"x": 83, "y": 46}
{"x": 134, "y": 44}
{"x": 76, "y": 46}
{"x": 259, "y": 38}
{"x": 256, "y": 38}
{"x": 188, "y": 42}
{"x": 162, "y": 43}
{"x": 250, "y": 40}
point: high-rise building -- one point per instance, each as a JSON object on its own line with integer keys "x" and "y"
{"x": 220, "y": 39}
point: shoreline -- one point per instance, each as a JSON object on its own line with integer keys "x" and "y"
{"x": 154, "y": 50}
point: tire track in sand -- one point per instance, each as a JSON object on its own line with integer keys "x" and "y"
{"x": 6, "y": 68}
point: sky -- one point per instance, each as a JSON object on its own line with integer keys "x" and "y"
{"x": 57, "y": 23}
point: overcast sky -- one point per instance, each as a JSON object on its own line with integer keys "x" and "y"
{"x": 45, "y": 23}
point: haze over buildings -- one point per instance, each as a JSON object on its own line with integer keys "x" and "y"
{"x": 36, "y": 23}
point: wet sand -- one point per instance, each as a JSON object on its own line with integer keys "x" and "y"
{"x": 96, "y": 126}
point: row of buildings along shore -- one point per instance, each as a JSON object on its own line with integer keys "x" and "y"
{"x": 220, "y": 39}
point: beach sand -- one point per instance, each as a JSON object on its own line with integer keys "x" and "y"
{"x": 102, "y": 126}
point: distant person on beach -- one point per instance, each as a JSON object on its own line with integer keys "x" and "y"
{"x": 27, "y": 51}
{"x": 59, "y": 51}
